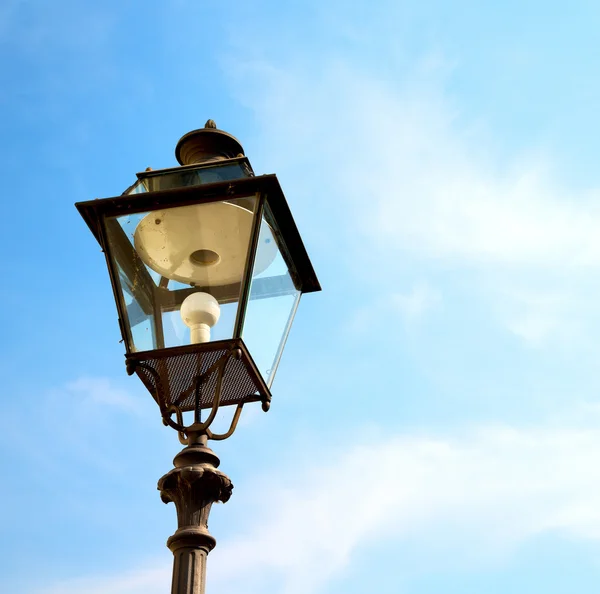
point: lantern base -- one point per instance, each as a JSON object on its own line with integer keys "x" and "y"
{"x": 200, "y": 376}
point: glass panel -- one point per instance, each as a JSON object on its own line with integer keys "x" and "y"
{"x": 179, "y": 271}
{"x": 185, "y": 177}
{"x": 136, "y": 286}
{"x": 272, "y": 302}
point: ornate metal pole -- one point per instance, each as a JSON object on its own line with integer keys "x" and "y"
{"x": 168, "y": 209}
{"x": 193, "y": 486}
{"x": 195, "y": 483}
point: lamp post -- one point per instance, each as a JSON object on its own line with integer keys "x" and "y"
{"x": 207, "y": 269}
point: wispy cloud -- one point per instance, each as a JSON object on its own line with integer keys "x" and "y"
{"x": 75, "y": 421}
{"x": 151, "y": 579}
{"x": 407, "y": 174}
{"x": 461, "y": 500}
{"x": 420, "y": 175}
{"x": 501, "y": 485}
{"x": 414, "y": 304}
{"x": 394, "y": 309}
{"x": 101, "y": 392}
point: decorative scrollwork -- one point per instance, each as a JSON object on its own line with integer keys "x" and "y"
{"x": 189, "y": 433}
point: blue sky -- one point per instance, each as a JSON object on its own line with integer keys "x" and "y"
{"x": 435, "y": 423}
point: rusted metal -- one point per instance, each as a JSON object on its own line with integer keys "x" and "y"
{"x": 193, "y": 486}
{"x": 207, "y": 144}
{"x": 224, "y": 382}
{"x": 232, "y": 427}
{"x": 247, "y": 278}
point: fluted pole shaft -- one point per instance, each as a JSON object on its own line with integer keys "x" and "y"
{"x": 189, "y": 571}
{"x": 193, "y": 486}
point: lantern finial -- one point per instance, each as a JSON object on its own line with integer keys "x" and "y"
{"x": 207, "y": 144}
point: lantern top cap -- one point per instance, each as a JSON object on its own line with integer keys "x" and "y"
{"x": 207, "y": 144}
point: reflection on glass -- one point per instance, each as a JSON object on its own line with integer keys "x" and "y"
{"x": 272, "y": 303}
{"x": 138, "y": 305}
{"x": 155, "y": 181}
{"x": 180, "y": 269}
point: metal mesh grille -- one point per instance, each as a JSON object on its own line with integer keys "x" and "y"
{"x": 179, "y": 375}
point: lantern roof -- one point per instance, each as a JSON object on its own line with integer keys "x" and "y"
{"x": 93, "y": 212}
{"x": 207, "y": 144}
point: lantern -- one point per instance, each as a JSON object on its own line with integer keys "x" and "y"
{"x": 207, "y": 268}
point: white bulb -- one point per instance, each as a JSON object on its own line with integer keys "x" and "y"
{"x": 200, "y": 312}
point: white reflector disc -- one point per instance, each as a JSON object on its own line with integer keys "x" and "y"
{"x": 202, "y": 244}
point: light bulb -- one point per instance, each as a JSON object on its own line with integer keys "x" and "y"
{"x": 200, "y": 312}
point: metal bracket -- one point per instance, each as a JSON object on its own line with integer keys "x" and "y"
{"x": 188, "y": 434}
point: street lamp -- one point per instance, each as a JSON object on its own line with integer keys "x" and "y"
{"x": 207, "y": 268}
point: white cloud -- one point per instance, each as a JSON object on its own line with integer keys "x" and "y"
{"x": 413, "y": 305}
{"x": 471, "y": 497}
{"x": 97, "y": 391}
{"x": 408, "y": 176}
{"x": 459, "y": 500}
{"x": 83, "y": 422}
{"x": 391, "y": 309}
{"x": 151, "y": 579}
{"x": 422, "y": 178}
{"x": 535, "y": 316}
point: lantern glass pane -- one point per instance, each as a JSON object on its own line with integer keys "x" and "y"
{"x": 191, "y": 256}
{"x": 272, "y": 302}
{"x": 189, "y": 176}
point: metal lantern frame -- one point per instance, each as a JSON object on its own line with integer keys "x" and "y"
{"x": 211, "y": 374}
